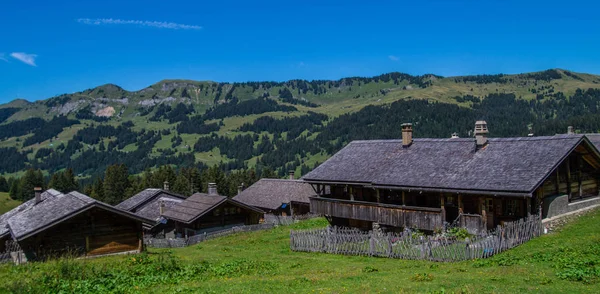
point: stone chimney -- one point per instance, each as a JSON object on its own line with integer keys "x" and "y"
{"x": 570, "y": 130}
{"x": 166, "y": 186}
{"x": 481, "y": 133}
{"x": 212, "y": 189}
{"x": 38, "y": 194}
{"x": 240, "y": 189}
{"x": 291, "y": 173}
{"x": 407, "y": 133}
{"x": 454, "y": 135}
{"x": 162, "y": 207}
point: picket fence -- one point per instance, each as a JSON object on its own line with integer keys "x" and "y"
{"x": 280, "y": 220}
{"x": 12, "y": 253}
{"x": 183, "y": 242}
{"x": 410, "y": 245}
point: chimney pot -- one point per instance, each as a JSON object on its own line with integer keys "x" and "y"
{"x": 38, "y": 194}
{"x": 212, "y": 189}
{"x": 407, "y": 133}
{"x": 481, "y": 133}
{"x": 162, "y": 207}
{"x": 570, "y": 130}
{"x": 166, "y": 186}
{"x": 291, "y": 173}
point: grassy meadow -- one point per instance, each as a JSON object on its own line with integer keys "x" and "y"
{"x": 567, "y": 261}
{"x": 6, "y": 203}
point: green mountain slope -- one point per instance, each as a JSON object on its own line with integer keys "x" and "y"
{"x": 281, "y": 125}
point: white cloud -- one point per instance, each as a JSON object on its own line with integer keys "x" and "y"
{"x": 24, "y": 57}
{"x": 393, "y": 58}
{"x": 141, "y": 23}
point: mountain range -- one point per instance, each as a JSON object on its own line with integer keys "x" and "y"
{"x": 292, "y": 125}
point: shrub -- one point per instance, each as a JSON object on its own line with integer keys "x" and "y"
{"x": 422, "y": 277}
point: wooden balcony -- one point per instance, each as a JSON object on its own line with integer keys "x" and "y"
{"x": 421, "y": 218}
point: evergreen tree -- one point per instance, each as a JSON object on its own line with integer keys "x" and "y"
{"x": 98, "y": 189}
{"x": 116, "y": 183}
{"x": 4, "y": 185}
{"x": 15, "y": 190}
{"x": 181, "y": 185}
{"x": 70, "y": 181}
{"x": 31, "y": 179}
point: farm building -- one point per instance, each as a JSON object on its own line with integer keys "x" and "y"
{"x": 151, "y": 204}
{"x": 477, "y": 183}
{"x": 278, "y": 197}
{"x": 202, "y": 212}
{"x": 54, "y": 223}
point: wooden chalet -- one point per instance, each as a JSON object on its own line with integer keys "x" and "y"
{"x": 278, "y": 196}
{"x": 478, "y": 183}
{"x": 151, "y": 204}
{"x": 54, "y": 223}
{"x": 202, "y": 212}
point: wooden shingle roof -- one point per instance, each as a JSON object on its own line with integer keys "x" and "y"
{"x": 145, "y": 197}
{"x": 272, "y": 193}
{"x": 198, "y": 205}
{"x": 30, "y": 218}
{"x": 516, "y": 165}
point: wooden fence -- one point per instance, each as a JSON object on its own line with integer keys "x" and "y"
{"x": 183, "y": 242}
{"x": 12, "y": 253}
{"x": 280, "y": 220}
{"x": 415, "y": 246}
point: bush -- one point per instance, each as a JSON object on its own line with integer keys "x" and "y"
{"x": 422, "y": 277}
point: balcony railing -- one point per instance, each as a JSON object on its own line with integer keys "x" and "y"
{"x": 422, "y": 218}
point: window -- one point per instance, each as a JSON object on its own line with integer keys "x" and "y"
{"x": 512, "y": 208}
{"x": 489, "y": 204}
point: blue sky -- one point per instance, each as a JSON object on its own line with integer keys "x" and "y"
{"x": 48, "y": 49}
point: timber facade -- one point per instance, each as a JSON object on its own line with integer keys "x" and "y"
{"x": 54, "y": 224}
{"x": 202, "y": 213}
{"x": 278, "y": 196}
{"x": 477, "y": 184}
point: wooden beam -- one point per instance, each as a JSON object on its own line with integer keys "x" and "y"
{"x": 460, "y": 204}
{"x": 579, "y": 176}
{"x": 568, "y": 178}
{"x": 377, "y": 195}
{"x": 557, "y": 181}
{"x": 403, "y": 198}
{"x": 443, "y": 207}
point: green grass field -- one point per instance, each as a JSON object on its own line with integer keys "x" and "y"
{"x": 567, "y": 261}
{"x": 6, "y": 203}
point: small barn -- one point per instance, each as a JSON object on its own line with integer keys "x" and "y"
{"x": 278, "y": 196}
{"x": 151, "y": 204}
{"x": 53, "y": 224}
{"x": 210, "y": 212}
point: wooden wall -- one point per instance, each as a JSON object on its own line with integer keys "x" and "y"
{"x": 94, "y": 232}
{"x": 575, "y": 177}
{"x": 224, "y": 215}
{"x": 397, "y": 216}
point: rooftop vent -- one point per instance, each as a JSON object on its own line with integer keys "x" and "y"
{"x": 407, "y": 133}
{"x": 570, "y": 130}
{"x": 38, "y": 194}
{"x": 291, "y": 173}
{"x": 212, "y": 189}
{"x": 454, "y": 135}
{"x": 481, "y": 133}
{"x": 166, "y": 186}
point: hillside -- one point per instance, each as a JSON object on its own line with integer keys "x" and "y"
{"x": 291, "y": 125}
{"x": 6, "y": 203}
{"x": 561, "y": 262}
